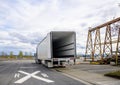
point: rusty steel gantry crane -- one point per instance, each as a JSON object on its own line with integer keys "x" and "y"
{"x": 95, "y": 48}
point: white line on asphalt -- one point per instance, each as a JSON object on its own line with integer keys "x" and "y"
{"x": 17, "y": 75}
{"x": 28, "y": 75}
{"x": 23, "y": 72}
{"x": 43, "y": 79}
{"x": 23, "y": 79}
{"x": 44, "y": 75}
{"x": 86, "y": 83}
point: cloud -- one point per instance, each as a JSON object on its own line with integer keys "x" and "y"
{"x": 32, "y": 38}
{"x": 24, "y": 23}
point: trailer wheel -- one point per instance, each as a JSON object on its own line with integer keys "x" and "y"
{"x": 39, "y": 61}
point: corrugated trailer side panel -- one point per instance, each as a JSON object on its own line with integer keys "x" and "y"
{"x": 44, "y": 48}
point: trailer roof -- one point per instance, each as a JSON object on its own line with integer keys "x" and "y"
{"x": 60, "y": 34}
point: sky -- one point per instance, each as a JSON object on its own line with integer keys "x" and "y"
{"x": 24, "y": 23}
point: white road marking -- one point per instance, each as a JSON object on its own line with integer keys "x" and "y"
{"x": 43, "y": 79}
{"x": 32, "y": 75}
{"x": 44, "y": 75}
{"x": 23, "y": 79}
{"x": 17, "y": 75}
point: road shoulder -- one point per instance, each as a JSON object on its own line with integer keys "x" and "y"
{"x": 90, "y": 78}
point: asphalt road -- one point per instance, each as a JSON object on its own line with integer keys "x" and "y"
{"x": 29, "y": 73}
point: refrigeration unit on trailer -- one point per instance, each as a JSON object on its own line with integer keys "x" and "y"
{"x": 57, "y": 48}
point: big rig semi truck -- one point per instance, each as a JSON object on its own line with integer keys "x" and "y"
{"x": 56, "y": 49}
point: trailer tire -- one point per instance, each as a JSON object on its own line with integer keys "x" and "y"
{"x": 39, "y": 61}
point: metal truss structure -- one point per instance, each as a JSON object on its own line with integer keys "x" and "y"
{"x": 94, "y": 46}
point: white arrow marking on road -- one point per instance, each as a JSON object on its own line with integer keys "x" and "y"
{"x": 17, "y": 75}
{"x": 44, "y": 75}
{"x": 32, "y": 75}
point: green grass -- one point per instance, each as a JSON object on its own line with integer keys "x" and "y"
{"x": 115, "y": 74}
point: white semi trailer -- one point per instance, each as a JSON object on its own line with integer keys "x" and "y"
{"x": 57, "y": 48}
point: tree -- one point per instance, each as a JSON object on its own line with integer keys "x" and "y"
{"x": 2, "y": 53}
{"x": 20, "y": 54}
{"x": 26, "y": 54}
{"x": 30, "y": 54}
{"x": 11, "y": 54}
